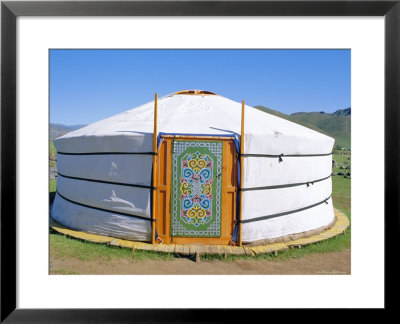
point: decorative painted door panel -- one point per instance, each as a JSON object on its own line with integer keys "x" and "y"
{"x": 196, "y": 190}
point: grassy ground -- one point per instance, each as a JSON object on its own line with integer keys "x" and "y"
{"x": 344, "y": 141}
{"x": 341, "y": 192}
{"x": 340, "y": 158}
{"x": 53, "y": 150}
{"x": 52, "y": 154}
{"x": 62, "y": 246}
{"x": 52, "y": 186}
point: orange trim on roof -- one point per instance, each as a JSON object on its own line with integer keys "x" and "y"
{"x": 195, "y": 92}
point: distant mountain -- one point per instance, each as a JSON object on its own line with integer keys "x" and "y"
{"x": 336, "y": 125}
{"x": 343, "y": 112}
{"x": 57, "y": 130}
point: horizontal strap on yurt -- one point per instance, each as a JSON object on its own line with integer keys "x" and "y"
{"x": 284, "y": 213}
{"x": 308, "y": 183}
{"x": 108, "y": 182}
{"x": 109, "y": 153}
{"x": 105, "y": 210}
{"x": 280, "y": 156}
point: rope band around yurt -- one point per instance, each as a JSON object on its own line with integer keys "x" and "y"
{"x": 308, "y": 183}
{"x": 103, "y": 209}
{"x": 281, "y": 156}
{"x": 108, "y": 182}
{"x": 108, "y": 153}
{"x": 284, "y": 213}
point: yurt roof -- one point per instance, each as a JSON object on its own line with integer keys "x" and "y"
{"x": 195, "y": 112}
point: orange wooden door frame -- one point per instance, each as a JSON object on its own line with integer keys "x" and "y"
{"x": 163, "y": 193}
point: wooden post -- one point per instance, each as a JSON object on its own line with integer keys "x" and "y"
{"x": 153, "y": 216}
{"x": 241, "y": 175}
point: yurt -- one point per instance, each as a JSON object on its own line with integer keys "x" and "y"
{"x": 194, "y": 167}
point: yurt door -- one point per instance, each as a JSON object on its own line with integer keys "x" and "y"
{"x": 196, "y": 191}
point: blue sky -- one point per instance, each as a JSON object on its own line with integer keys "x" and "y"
{"x": 90, "y": 85}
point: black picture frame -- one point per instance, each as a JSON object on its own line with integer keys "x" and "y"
{"x": 10, "y": 10}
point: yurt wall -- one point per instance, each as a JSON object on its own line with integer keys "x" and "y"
{"x": 105, "y": 172}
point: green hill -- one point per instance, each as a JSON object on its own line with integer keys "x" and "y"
{"x": 57, "y": 130}
{"x": 336, "y": 125}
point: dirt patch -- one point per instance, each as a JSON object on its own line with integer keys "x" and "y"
{"x": 327, "y": 263}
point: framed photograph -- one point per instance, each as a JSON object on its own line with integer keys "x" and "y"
{"x": 35, "y": 32}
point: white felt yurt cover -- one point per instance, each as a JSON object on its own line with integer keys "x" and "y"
{"x": 304, "y": 158}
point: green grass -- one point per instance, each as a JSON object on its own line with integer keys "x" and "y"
{"x": 52, "y": 154}
{"x": 340, "y": 158}
{"x": 63, "y": 247}
{"x": 52, "y": 150}
{"x": 343, "y": 140}
{"x": 52, "y": 190}
{"x": 341, "y": 191}
{"x": 52, "y": 185}
{"x": 335, "y": 244}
